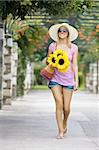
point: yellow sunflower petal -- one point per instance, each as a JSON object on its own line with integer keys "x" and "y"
{"x": 58, "y": 52}
{"x": 63, "y": 70}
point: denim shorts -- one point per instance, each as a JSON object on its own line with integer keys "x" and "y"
{"x": 52, "y": 84}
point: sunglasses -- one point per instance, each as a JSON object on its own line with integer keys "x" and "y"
{"x": 62, "y": 30}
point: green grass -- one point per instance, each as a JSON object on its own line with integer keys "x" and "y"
{"x": 40, "y": 87}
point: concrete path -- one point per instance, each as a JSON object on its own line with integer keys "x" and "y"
{"x": 29, "y": 124}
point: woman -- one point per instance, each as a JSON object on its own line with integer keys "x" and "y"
{"x": 62, "y": 85}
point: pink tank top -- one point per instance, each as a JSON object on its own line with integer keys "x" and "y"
{"x": 66, "y": 78}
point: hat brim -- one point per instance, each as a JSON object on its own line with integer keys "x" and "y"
{"x": 53, "y": 31}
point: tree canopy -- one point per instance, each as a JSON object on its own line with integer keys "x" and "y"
{"x": 22, "y": 8}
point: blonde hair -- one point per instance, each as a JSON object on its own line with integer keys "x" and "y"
{"x": 68, "y": 41}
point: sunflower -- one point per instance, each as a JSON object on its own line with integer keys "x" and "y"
{"x": 62, "y": 63}
{"x": 59, "y": 52}
{"x": 52, "y": 60}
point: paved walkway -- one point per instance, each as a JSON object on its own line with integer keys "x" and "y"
{"x": 29, "y": 124}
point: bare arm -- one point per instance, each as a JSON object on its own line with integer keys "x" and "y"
{"x": 75, "y": 66}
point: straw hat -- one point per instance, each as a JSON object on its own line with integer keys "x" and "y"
{"x": 53, "y": 31}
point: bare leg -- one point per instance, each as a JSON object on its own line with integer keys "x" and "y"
{"x": 67, "y": 94}
{"x": 57, "y": 93}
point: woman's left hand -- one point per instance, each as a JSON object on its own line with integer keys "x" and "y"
{"x": 76, "y": 86}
